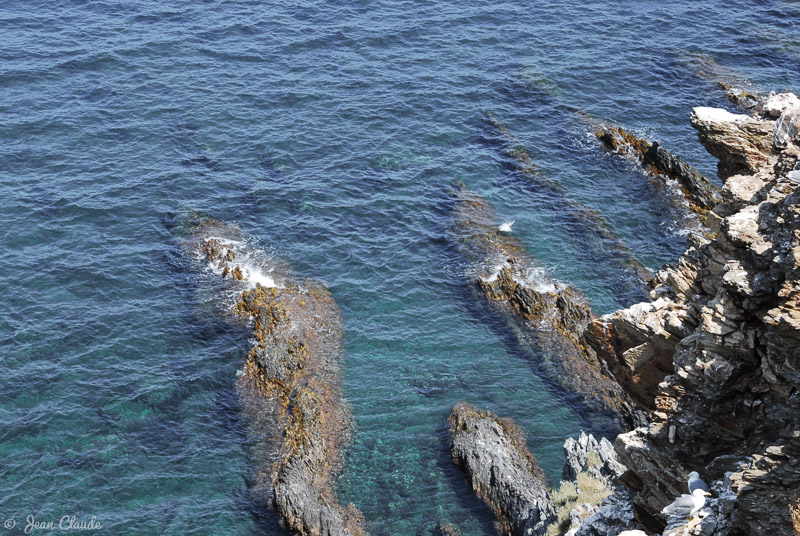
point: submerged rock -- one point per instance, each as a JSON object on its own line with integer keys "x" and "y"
{"x": 290, "y": 383}
{"x": 447, "y": 529}
{"x": 493, "y": 454}
{"x": 600, "y": 240}
{"x": 541, "y": 311}
{"x": 740, "y": 90}
{"x": 698, "y": 190}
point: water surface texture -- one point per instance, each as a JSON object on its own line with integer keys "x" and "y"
{"x": 332, "y": 133}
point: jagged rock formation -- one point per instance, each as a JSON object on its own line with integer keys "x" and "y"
{"x": 656, "y": 161}
{"x": 601, "y": 241}
{"x": 290, "y": 384}
{"x": 614, "y": 517}
{"x": 542, "y": 312}
{"x": 587, "y": 455}
{"x": 590, "y": 463}
{"x": 493, "y": 453}
{"x": 727, "y": 318}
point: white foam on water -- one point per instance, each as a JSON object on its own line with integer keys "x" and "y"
{"x": 537, "y": 279}
{"x": 495, "y": 273}
{"x": 256, "y": 276}
{"x": 253, "y": 271}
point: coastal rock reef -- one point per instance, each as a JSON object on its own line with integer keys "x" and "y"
{"x": 290, "y": 384}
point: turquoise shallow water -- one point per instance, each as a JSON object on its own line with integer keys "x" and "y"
{"x": 331, "y": 133}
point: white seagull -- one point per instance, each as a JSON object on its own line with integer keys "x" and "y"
{"x": 506, "y": 227}
{"x": 695, "y": 482}
{"x": 687, "y": 505}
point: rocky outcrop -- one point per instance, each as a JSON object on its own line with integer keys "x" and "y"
{"x": 742, "y": 143}
{"x": 501, "y": 470}
{"x": 727, "y": 318}
{"x": 543, "y": 313}
{"x": 601, "y": 242}
{"x": 594, "y": 469}
{"x": 290, "y": 383}
{"x": 588, "y": 455}
{"x": 637, "y": 345}
{"x": 656, "y": 161}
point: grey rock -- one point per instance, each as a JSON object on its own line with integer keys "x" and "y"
{"x": 577, "y": 458}
{"x": 742, "y": 143}
{"x": 501, "y": 470}
{"x": 616, "y": 515}
{"x": 787, "y": 128}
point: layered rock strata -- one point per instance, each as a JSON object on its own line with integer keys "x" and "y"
{"x": 543, "y": 313}
{"x": 493, "y": 453}
{"x": 715, "y": 354}
{"x": 601, "y": 242}
{"x": 656, "y": 161}
{"x": 290, "y": 383}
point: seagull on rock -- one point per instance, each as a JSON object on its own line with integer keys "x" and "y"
{"x": 695, "y": 482}
{"x": 506, "y": 227}
{"x": 687, "y": 505}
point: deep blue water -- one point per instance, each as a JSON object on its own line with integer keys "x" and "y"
{"x": 331, "y": 132}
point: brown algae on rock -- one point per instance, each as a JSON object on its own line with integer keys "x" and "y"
{"x": 290, "y": 384}
{"x": 538, "y": 309}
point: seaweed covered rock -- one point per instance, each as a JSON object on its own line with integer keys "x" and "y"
{"x": 601, "y": 242}
{"x": 656, "y": 161}
{"x": 290, "y": 383}
{"x": 545, "y": 315}
{"x": 493, "y": 453}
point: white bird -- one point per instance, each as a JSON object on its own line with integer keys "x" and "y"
{"x": 695, "y": 482}
{"x": 506, "y": 227}
{"x": 687, "y": 505}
